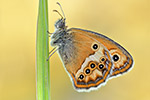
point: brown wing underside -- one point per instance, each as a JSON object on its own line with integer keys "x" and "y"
{"x": 125, "y": 61}
{"x": 116, "y": 60}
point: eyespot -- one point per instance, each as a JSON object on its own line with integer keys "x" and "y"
{"x": 101, "y": 66}
{"x": 81, "y": 76}
{"x": 92, "y": 65}
{"x": 102, "y": 59}
{"x": 95, "y": 46}
{"x": 87, "y": 71}
{"x": 115, "y": 57}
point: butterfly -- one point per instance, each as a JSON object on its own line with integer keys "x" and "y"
{"x": 90, "y": 58}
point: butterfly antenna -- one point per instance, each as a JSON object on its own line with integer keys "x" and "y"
{"x": 58, "y": 13}
{"x": 61, "y": 9}
{"x": 52, "y": 51}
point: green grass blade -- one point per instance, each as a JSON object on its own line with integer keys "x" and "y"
{"x": 42, "y": 53}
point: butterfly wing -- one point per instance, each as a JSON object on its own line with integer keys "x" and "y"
{"x": 86, "y": 60}
{"x": 121, "y": 58}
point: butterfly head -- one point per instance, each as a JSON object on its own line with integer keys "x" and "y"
{"x": 57, "y": 37}
{"x": 60, "y": 24}
{"x": 60, "y": 31}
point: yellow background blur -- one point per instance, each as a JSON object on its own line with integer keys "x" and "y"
{"x": 125, "y": 21}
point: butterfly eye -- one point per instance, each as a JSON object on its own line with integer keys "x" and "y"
{"x": 95, "y": 46}
{"x": 115, "y": 57}
{"x": 101, "y": 66}
{"x": 87, "y": 71}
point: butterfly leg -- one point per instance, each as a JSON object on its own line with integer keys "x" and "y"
{"x": 49, "y": 33}
{"x": 52, "y": 52}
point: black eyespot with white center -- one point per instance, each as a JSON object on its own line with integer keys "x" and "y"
{"x": 95, "y": 46}
{"x": 101, "y": 66}
{"x": 87, "y": 71}
{"x": 115, "y": 57}
{"x": 81, "y": 76}
{"x": 92, "y": 65}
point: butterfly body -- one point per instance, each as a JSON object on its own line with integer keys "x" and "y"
{"x": 89, "y": 58}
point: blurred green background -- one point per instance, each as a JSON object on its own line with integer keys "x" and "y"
{"x": 125, "y": 21}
